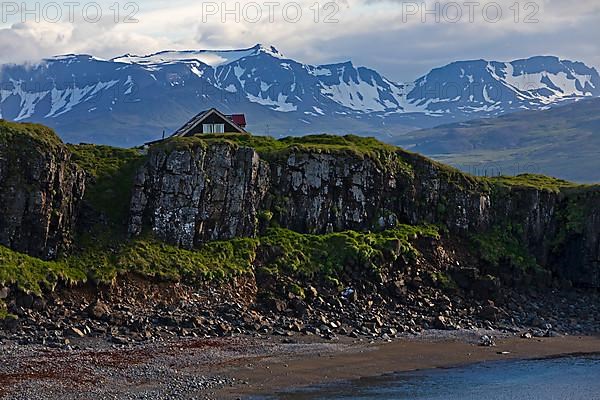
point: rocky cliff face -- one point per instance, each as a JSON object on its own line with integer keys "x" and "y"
{"x": 40, "y": 189}
{"x": 493, "y": 240}
{"x": 575, "y": 250}
{"x": 320, "y": 191}
{"x": 559, "y": 227}
{"x": 192, "y": 196}
{"x": 219, "y": 190}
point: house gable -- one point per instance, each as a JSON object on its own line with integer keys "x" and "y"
{"x": 213, "y": 117}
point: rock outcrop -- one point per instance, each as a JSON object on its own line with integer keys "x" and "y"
{"x": 192, "y": 196}
{"x": 205, "y": 192}
{"x": 211, "y": 190}
{"x": 40, "y": 190}
{"x": 579, "y": 256}
{"x": 332, "y": 191}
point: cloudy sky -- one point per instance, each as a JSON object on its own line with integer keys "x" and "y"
{"x": 401, "y": 39}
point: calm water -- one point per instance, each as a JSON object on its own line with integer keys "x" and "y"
{"x": 573, "y": 378}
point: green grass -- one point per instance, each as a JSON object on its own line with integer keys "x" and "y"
{"x": 535, "y": 181}
{"x": 267, "y": 144}
{"x": 503, "y": 244}
{"x": 309, "y": 256}
{"x": 31, "y": 274}
{"x": 27, "y": 134}
{"x": 216, "y": 260}
{"x": 292, "y": 254}
{"x": 111, "y": 170}
{"x": 272, "y": 149}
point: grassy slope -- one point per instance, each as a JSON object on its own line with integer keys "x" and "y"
{"x": 36, "y": 135}
{"x": 563, "y": 142}
{"x": 299, "y": 255}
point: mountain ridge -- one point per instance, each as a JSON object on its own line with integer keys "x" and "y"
{"x": 131, "y": 99}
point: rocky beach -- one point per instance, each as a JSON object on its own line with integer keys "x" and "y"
{"x": 248, "y": 367}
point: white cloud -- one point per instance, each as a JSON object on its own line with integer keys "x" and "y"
{"x": 376, "y": 33}
{"x": 24, "y": 42}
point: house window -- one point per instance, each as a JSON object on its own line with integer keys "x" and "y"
{"x": 213, "y": 128}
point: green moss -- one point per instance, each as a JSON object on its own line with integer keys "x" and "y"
{"x": 212, "y": 261}
{"x": 575, "y": 217}
{"x": 504, "y": 244}
{"x": 580, "y": 204}
{"x": 294, "y": 255}
{"x": 27, "y": 134}
{"x": 444, "y": 280}
{"x": 112, "y": 171}
{"x": 3, "y": 312}
{"x": 265, "y": 216}
{"x": 540, "y": 182}
{"x": 31, "y": 274}
{"x": 309, "y": 256}
{"x": 297, "y": 290}
{"x": 274, "y": 150}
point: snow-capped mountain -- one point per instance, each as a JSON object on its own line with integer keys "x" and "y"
{"x": 469, "y": 87}
{"x": 130, "y": 99}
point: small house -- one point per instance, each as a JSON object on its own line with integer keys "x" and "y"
{"x": 211, "y": 121}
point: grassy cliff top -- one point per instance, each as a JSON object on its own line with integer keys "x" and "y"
{"x": 112, "y": 166}
{"x": 26, "y": 133}
{"x": 536, "y": 181}
{"x": 269, "y": 147}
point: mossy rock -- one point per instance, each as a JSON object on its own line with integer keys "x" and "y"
{"x": 26, "y": 137}
{"x": 110, "y": 171}
{"x": 299, "y": 256}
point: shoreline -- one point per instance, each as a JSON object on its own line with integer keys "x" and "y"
{"x": 246, "y": 367}
{"x": 275, "y": 374}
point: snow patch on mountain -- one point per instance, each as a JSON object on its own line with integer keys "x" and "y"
{"x": 28, "y": 100}
{"x": 65, "y": 100}
{"x": 209, "y": 57}
{"x": 560, "y": 84}
{"x": 280, "y": 104}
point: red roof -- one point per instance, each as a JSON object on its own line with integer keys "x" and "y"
{"x": 239, "y": 119}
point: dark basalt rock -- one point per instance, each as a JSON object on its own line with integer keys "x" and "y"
{"x": 40, "y": 192}
{"x": 218, "y": 190}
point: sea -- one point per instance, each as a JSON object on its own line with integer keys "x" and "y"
{"x": 567, "y": 378}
